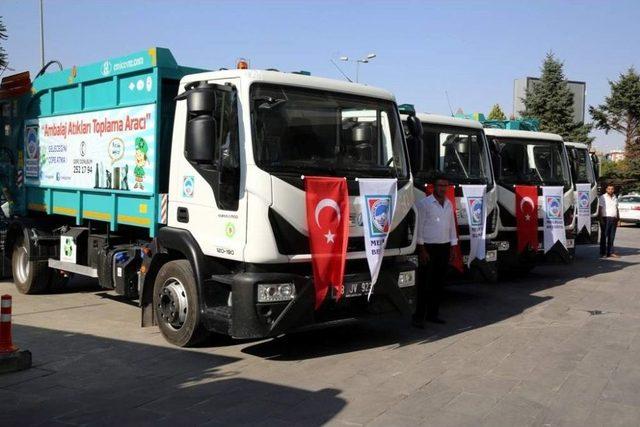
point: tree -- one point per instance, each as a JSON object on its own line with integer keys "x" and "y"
{"x": 621, "y": 112}
{"x": 3, "y": 53}
{"x": 551, "y": 102}
{"x": 496, "y": 113}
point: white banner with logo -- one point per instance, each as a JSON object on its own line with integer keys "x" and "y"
{"x": 474, "y": 199}
{"x": 553, "y": 205}
{"x": 378, "y": 201}
{"x": 583, "y": 206}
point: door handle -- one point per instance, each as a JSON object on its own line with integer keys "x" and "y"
{"x": 183, "y": 215}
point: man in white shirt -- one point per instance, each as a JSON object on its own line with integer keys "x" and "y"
{"x": 609, "y": 217}
{"x": 436, "y": 237}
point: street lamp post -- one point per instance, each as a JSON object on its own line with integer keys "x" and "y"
{"x": 364, "y": 60}
{"x": 41, "y": 35}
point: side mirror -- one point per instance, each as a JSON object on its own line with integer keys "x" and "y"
{"x": 596, "y": 165}
{"x": 463, "y": 147}
{"x": 414, "y": 125}
{"x": 199, "y": 145}
{"x": 200, "y": 139}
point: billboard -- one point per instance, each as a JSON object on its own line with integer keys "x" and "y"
{"x": 110, "y": 149}
{"x": 578, "y": 89}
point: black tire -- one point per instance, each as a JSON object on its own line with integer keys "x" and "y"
{"x": 176, "y": 283}
{"x": 30, "y": 277}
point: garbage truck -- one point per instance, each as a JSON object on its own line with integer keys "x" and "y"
{"x": 584, "y": 171}
{"x": 184, "y": 189}
{"x": 529, "y": 158}
{"x": 457, "y": 148}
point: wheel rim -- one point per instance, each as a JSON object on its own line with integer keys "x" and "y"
{"x": 22, "y": 265}
{"x": 173, "y": 305}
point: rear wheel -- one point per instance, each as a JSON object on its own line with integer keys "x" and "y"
{"x": 176, "y": 305}
{"x": 30, "y": 277}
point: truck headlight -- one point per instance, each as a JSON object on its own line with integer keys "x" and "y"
{"x": 274, "y": 292}
{"x": 407, "y": 279}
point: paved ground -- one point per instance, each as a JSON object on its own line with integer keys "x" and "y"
{"x": 531, "y": 352}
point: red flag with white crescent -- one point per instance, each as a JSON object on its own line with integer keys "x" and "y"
{"x": 327, "y": 201}
{"x": 527, "y": 216}
{"x": 457, "y": 262}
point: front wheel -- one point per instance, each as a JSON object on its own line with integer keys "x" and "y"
{"x": 30, "y": 277}
{"x": 176, "y": 305}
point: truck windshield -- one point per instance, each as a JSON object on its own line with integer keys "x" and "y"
{"x": 459, "y": 153}
{"x": 581, "y": 166}
{"x": 531, "y": 162}
{"x": 298, "y": 130}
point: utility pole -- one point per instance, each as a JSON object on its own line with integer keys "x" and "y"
{"x": 41, "y": 35}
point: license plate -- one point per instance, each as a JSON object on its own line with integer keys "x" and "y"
{"x": 354, "y": 289}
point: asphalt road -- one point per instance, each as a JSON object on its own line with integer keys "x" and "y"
{"x": 559, "y": 347}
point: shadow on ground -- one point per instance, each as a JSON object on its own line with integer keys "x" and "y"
{"x": 145, "y": 384}
{"x": 465, "y": 306}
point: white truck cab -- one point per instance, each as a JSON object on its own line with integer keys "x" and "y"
{"x": 529, "y": 158}
{"x": 584, "y": 170}
{"x": 458, "y": 149}
{"x": 242, "y": 143}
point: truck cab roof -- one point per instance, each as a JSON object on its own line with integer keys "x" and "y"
{"x": 580, "y": 145}
{"x": 439, "y": 119}
{"x": 291, "y": 79}
{"x": 522, "y": 134}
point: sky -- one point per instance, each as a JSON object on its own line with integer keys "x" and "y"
{"x": 470, "y": 50}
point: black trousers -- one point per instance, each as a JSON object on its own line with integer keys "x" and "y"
{"x": 607, "y": 234}
{"x": 431, "y": 277}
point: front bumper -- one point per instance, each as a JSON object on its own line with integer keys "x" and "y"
{"x": 587, "y": 237}
{"x": 253, "y": 319}
{"x": 480, "y": 269}
{"x": 509, "y": 258}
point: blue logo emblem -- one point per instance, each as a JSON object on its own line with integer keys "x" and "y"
{"x": 476, "y": 210}
{"x": 554, "y": 210}
{"x": 188, "y": 185}
{"x": 583, "y": 199}
{"x": 379, "y": 215}
{"x": 32, "y": 143}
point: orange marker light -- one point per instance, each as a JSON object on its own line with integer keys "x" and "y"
{"x": 242, "y": 64}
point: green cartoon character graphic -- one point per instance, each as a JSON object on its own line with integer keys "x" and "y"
{"x": 141, "y": 162}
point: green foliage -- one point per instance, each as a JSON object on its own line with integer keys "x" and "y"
{"x": 620, "y": 111}
{"x": 551, "y": 102}
{"x": 625, "y": 174}
{"x": 3, "y": 53}
{"x": 496, "y": 113}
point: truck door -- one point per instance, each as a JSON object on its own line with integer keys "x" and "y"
{"x": 206, "y": 190}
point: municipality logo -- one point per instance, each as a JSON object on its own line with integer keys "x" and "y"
{"x": 553, "y": 207}
{"x": 476, "y": 209}
{"x": 379, "y": 213}
{"x": 583, "y": 199}
{"x": 32, "y": 143}
{"x": 106, "y": 68}
{"x": 187, "y": 186}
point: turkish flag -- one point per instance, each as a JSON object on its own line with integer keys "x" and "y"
{"x": 527, "y": 216}
{"x": 327, "y": 202}
{"x": 457, "y": 261}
